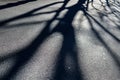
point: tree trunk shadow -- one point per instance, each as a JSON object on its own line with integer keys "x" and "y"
{"x": 67, "y": 65}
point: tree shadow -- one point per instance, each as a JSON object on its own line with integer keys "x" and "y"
{"x": 113, "y": 54}
{"x": 69, "y": 47}
{"x": 63, "y": 70}
{"x": 70, "y": 70}
{"x": 27, "y": 14}
{"x": 113, "y": 9}
{"x": 24, "y": 55}
{"x": 9, "y": 5}
{"x": 110, "y": 9}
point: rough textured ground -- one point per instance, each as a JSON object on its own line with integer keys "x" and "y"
{"x": 59, "y": 40}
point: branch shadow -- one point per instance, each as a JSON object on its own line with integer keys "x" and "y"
{"x": 27, "y": 14}
{"x": 69, "y": 46}
{"x": 24, "y": 55}
{"x": 9, "y": 5}
{"x": 63, "y": 70}
{"x": 113, "y": 54}
{"x": 102, "y": 14}
{"x": 113, "y": 9}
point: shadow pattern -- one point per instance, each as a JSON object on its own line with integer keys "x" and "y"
{"x": 63, "y": 71}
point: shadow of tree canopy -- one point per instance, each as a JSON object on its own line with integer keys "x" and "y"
{"x": 69, "y": 48}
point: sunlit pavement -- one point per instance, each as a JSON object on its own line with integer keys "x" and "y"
{"x": 59, "y": 40}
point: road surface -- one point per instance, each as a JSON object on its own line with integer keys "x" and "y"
{"x": 59, "y": 40}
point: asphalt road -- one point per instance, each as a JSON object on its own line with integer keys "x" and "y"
{"x": 59, "y": 40}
